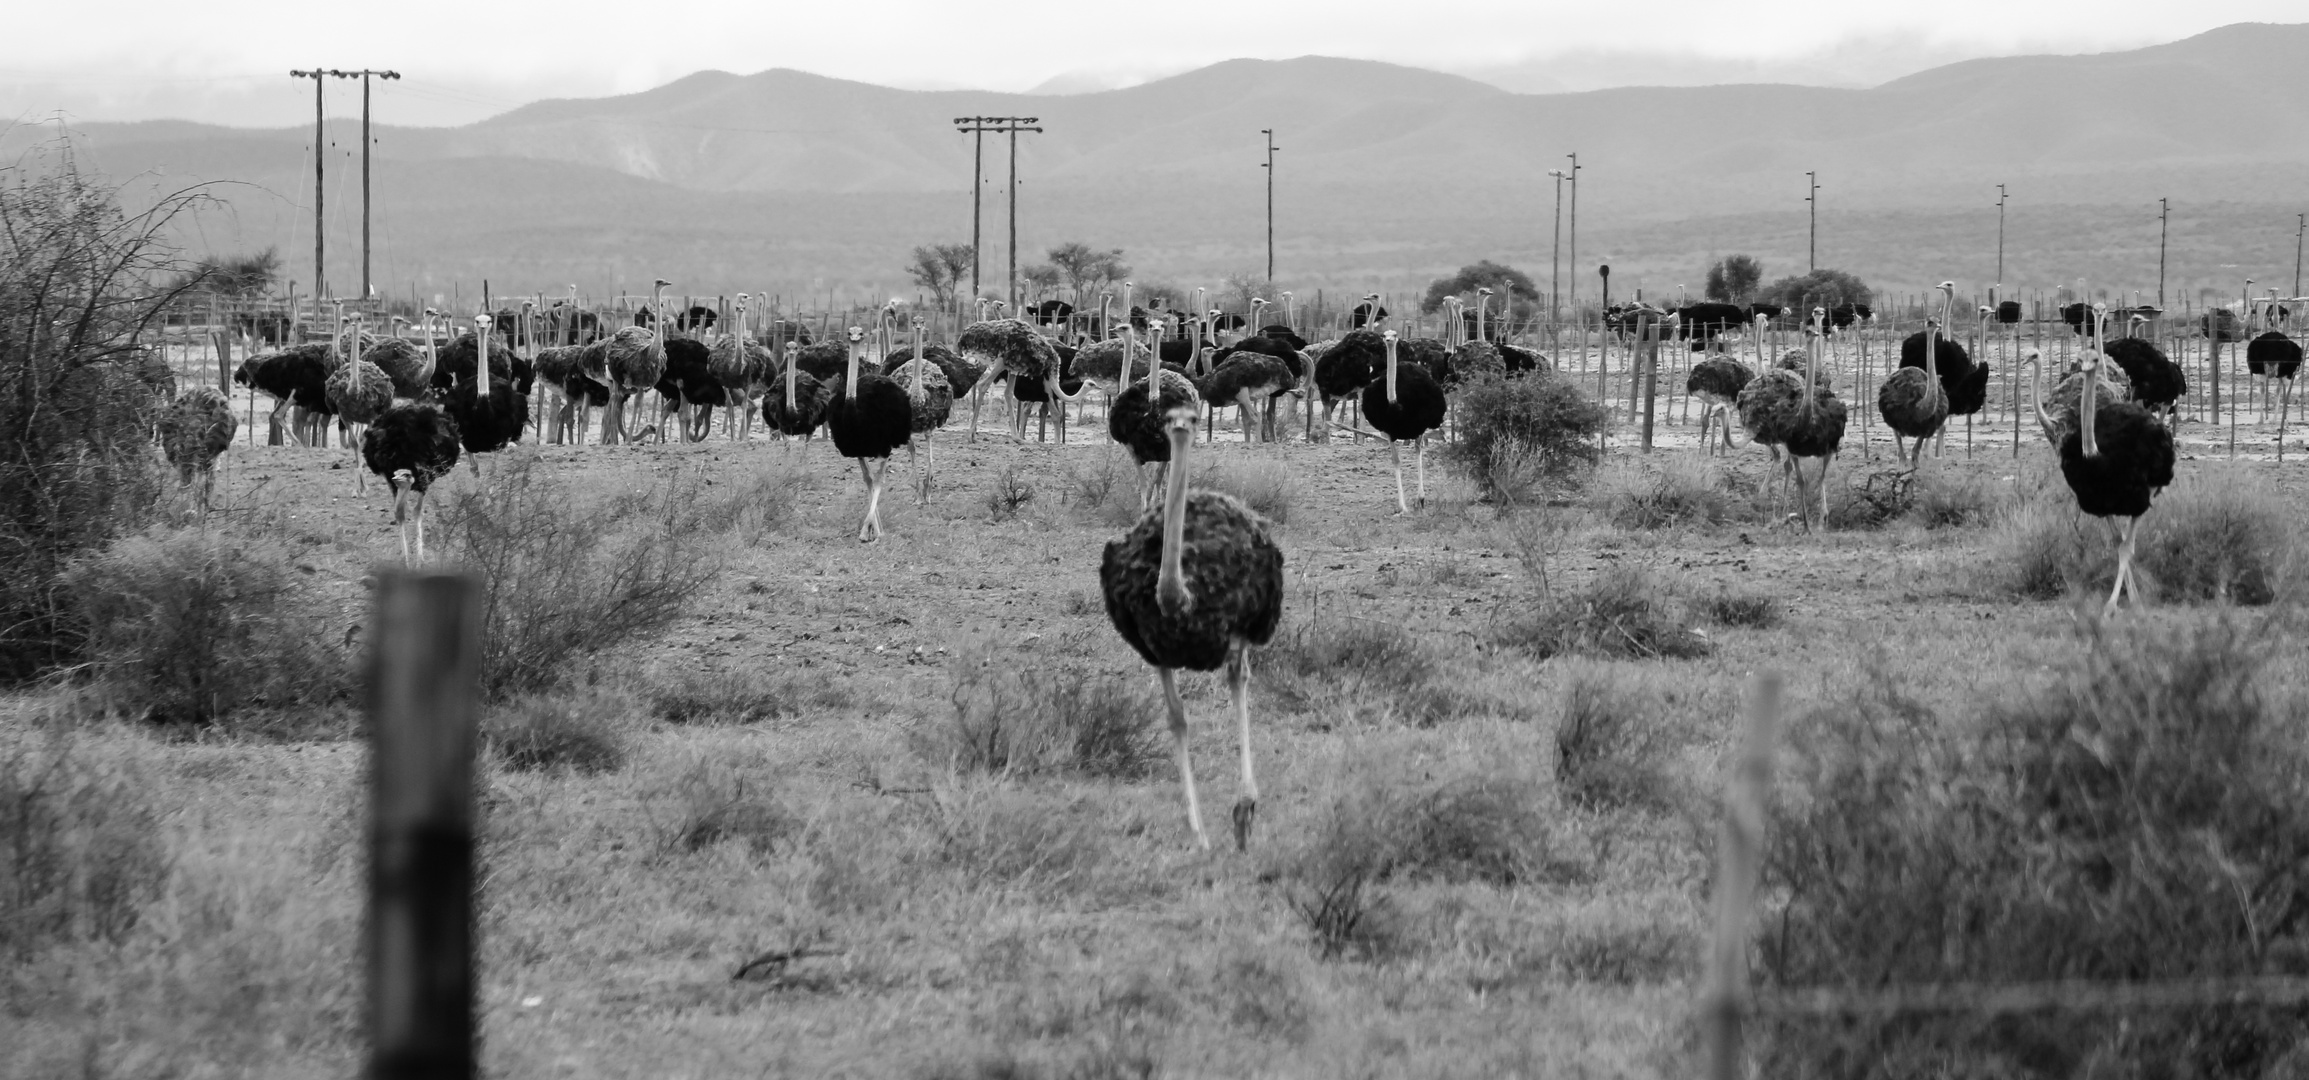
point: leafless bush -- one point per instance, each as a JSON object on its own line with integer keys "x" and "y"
{"x": 1028, "y": 720}
{"x": 583, "y": 732}
{"x": 1669, "y": 492}
{"x": 1011, "y": 492}
{"x": 1373, "y": 667}
{"x": 1609, "y": 743}
{"x": 1624, "y": 614}
{"x": 707, "y": 802}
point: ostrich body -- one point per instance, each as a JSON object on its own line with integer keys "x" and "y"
{"x": 1196, "y": 584}
{"x": 740, "y": 366}
{"x": 1136, "y": 419}
{"x": 1717, "y": 382}
{"x": 562, "y": 369}
{"x": 687, "y": 390}
{"x": 932, "y": 400}
{"x": 1344, "y": 367}
{"x": 1404, "y": 406}
{"x": 870, "y": 417}
{"x": 1914, "y": 400}
{"x": 1798, "y": 414}
{"x": 488, "y": 416}
{"x": 296, "y": 378}
{"x": 1252, "y": 381}
{"x": 1009, "y": 347}
{"x": 358, "y": 393}
{"x": 411, "y": 445}
{"x": 2060, "y": 421}
{"x": 2157, "y": 383}
{"x": 633, "y": 360}
{"x": 2116, "y": 461}
{"x": 194, "y": 429}
{"x": 410, "y": 368}
{"x": 797, "y": 403}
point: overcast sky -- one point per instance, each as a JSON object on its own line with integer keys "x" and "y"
{"x": 226, "y": 61}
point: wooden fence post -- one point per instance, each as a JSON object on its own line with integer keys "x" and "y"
{"x": 1648, "y": 363}
{"x": 424, "y": 680}
{"x": 1739, "y": 862}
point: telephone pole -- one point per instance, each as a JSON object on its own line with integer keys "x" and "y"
{"x": 2298, "y": 234}
{"x": 1270, "y": 167}
{"x": 1009, "y": 125}
{"x": 1999, "y": 240}
{"x": 320, "y": 155}
{"x": 977, "y": 186}
{"x": 1555, "y": 257}
{"x": 1571, "y": 295}
{"x": 1812, "y": 200}
{"x": 363, "y": 75}
{"x": 2164, "y": 211}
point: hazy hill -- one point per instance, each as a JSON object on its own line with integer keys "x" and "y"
{"x": 1386, "y": 172}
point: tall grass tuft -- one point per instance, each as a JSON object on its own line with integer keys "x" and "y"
{"x": 1625, "y": 614}
{"x": 1521, "y": 438}
{"x": 1670, "y": 491}
{"x": 1022, "y": 719}
{"x": 580, "y": 732}
{"x": 2141, "y": 819}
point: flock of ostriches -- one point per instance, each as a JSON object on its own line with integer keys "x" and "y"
{"x": 1198, "y": 581}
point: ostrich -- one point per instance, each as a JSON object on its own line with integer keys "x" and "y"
{"x": 802, "y": 406}
{"x": 687, "y": 391}
{"x": 1137, "y": 419}
{"x": 2157, "y": 383}
{"x": 488, "y": 411}
{"x": 1251, "y": 374}
{"x": 2116, "y": 461}
{"x": 1913, "y": 400}
{"x": 1343, "y": 369}
{"x": 1717, "y": 381}
{"x": 1404, "y": 407}
{"x": 2059, "y": 422}
{"x": 1009, "y": 347}
{"x": 1800, "y": 415}
{"x": 194, "y": 429}
{"x": 410, "y": 369}
{"x": 358, "y": 392}
{"x": 1196, "y": 584}
{"x": 562, "y": 368}
{"x": 297, "y": 379}
{"x": 740, "y": 365}
{"x": 634, "y": 359}
{"x": 932, "y": 399}
{"x": 2272, "y": 355}
{"x": 411, "y": 445}
{"x": 869, "y": 417}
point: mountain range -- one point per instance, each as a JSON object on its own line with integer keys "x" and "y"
{"x": 1386, "y": 175}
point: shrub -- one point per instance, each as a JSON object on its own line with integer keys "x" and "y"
{"x": 744, "y": 695}
{"x": 1264, "y": 486}
{"x": 1002, "y": 835}
{"x": 1028, "y": 720}
{"x": 2141, "y": 819}
{"x": 2222, "y": 536}
{"x": 564, "y": 576}
{"x": 755, "y": 503}
{"x": 1011, "y": 492}
{"x": 1518, "y": 436}
{"x": 1608, "y": 742}
{"x": 193, "y": 627}
{"x": 81, "y": 848}
{"x": 1666, "y": 492}
{"x": 1756, "y": 611}
{"x": 582, "y": 733}
{"x": 711, "y": 803}
{"x": 79, "y": 276}
{"x": 1373, "y": 667}
{"x": 1624, "y": 614}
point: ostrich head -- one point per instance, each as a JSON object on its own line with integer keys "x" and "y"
{"x": 856, "y": 334}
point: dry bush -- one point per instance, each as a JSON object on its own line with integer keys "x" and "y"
{"x": 2143, "y": 819}
{"x": 1625, "y": 614}
{"x": 1752, "y": 610}
{"x": 79, "y": 277}
{"x": 1011, "y": 492}
{"x": 744, "y": 695}
{"x": 1263, "y": 485}
{"x": 1025, "y": 720}
{"x": 1001, "y": 835}
{"x": 81, "y": 848}
{"x": 192, "y": 626}
{"x": 708, "y": 802}
{"x": 1093, "y": 488}
{"x": 573, "y": 731}
{"x": 1938, "y": 498}
{"x": 1521, "y": 437}
{"x": 1378, "y": 669}
{"x": 1666, "y": 492}
{"x": 2222, "y": 536}
{"x": 756, "y": 503}
{"x": 564, "y": 576}
{"x": 1610, "y": 741}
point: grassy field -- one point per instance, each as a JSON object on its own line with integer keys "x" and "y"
{"x": 1489, "y": 745}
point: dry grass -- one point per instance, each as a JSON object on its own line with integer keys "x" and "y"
{"x": 1265, "y": 486}
{"x": 2221, "y": 536}
{"x": 1028, "y": 720}
{"x": 579, "y": 732}
{"x": 1626, "y": 613}
{"x": 1671, "y": 490}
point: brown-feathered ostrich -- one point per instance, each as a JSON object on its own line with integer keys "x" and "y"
{"x": 2116, "y": 461}
{"x": 932, "y": 398}
{"x": 358, "y": 392}
{"x": 1197, "y": 584}
{"x": 410, "y": 367}
{"x": 870, "y": 417}
{"x": 741, "y": 366}
{"x": 797, "y": 405}
{"x": 1251, "y": 375}
{"x": 1011, "y": 348}
{"x": 1137, "y": 419}
{"x": 1717, "y": 382}
{"x": 635, "y": 359}
{"x": 411, "y": 445}
{"x": 1796, "y": 413}
{"x": 1912, "y": 400}
{"x": 2058, "y": 422}
{"x": 194, "y": 429}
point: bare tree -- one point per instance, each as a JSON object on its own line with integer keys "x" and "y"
{"x": 939, "y": 268}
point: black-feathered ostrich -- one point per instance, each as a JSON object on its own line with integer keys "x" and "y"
{"x": 2116, "y": 461}
{"x": 931, "y": 398}
{"x": 870, "y": 417}
{"x": 1344, "y": 368}
{"x": 358, "y": 392}
{"x": 411, "y": 445}
{"x": 1252, "y": 374}
{"x": 633, "y": 360}
{"x": 1914, "y": 399}
{"x": 797, "y": 403}
{"x": 488, "y": 410}
{"x": 2156, "y": 383}
{"x": 1717, "y": 382}
{"x": 194, "y": 429}
{"x": 297, "y": 379}
{"x": 2272, "y": 356}
{"x": 1011, "y": 348}
{"x": 1404, "y": 406}
{"x": 1800, "y": 415}
{"x": 1139, "y": 416}
{"x": 1196, "y": 584}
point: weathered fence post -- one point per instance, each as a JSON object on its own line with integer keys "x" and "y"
{"x": 423, "y": 689}
{"x": 1739, "y": 862}
{"x": 1648, "y": 363}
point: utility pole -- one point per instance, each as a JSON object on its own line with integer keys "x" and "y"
{"x": 1009, "y": 125}
{"x": 320, "y": 155}
{"x": 2164, "y": 210}
{"x": 1812, "y": 199}
{"x": 1999, "y": 241}
{"x": 1555, "y": 258}
{"x": 363, "y": 75}
{"x": 1573, "y": 295}
{"x": 1270, "y": 167}
{"x": 977, "y": 186}
{"x": 2298, "y": 234}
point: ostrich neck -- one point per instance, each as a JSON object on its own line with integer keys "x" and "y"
{"x": 850, "y": 388}
{"x": 2087, "y": 405}
{"x": 481, "y": 364}
{"x": 919, "y": 362}
{"x": 1390, "y": 373}
{"x": 1171, "y": 586}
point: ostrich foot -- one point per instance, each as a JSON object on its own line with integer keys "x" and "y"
{"x": 1246, "y": 814}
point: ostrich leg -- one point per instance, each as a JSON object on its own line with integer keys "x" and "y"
{"x": 1248, "y": 412}
{"x": 1395, "y": 453}
{"x": 1246, "y": 809}
{"x": 2124, "y": 566}
{"x": 1824, "y": 463}
{"x": 873, "y": 495}
{"x": 420, "y": 516}
{"x": 1420, "y": 459}
{"x": 1178, "y": 717}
